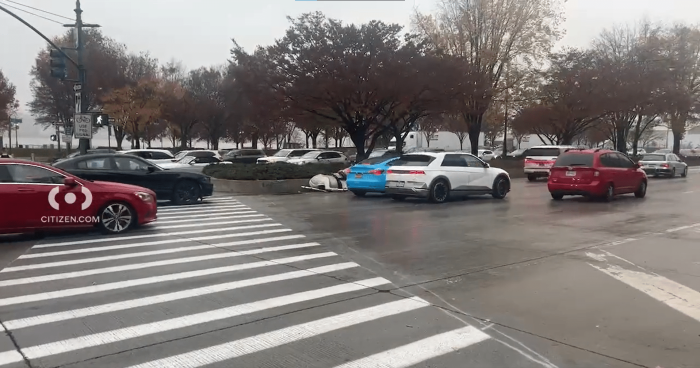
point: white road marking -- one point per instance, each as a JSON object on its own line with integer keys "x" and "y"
{"x": 131, "y": 332}
{"x": 669, "y": 292}
{"x": 203, "y": 204}
{"x": 682, "y": 228}
{"x": 190, "y": 219}
{"x": 688, "y": 192}
{"x": 207, "y": 224}
{"x": 205, "y": 215}
{"x": 421, "y": 350}
{"x": 12, "y": 356}
{"x": 155, "y": 279}
{"x": 254, "y": 344}
{"x": 141, "y": 236}
{"x": 201, "y": 210}
{"x": 209, "y": 211}
{"x": 159, "y": 242}
{"x": 73, "y": 262}
{"x": 169, "y": 297}
{"x": 196, "y": 207}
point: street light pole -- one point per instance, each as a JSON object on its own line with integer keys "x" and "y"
{"x": 84, "y": 143}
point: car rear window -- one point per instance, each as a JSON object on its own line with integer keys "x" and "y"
{"x": 653, "y": 158}
{"x": 575, "y": 159}
{"x": 543, "y": 152}
{"x": 413, "y": 160}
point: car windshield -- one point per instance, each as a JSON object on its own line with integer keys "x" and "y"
{"x": 282, "y": 153}
{"x": 180, "y": 155}
{"x": 186, "y": 160}
{"x": 375, "y": 160}
{"x": 653, "y": 158}
{"x": 413, "y": 160}
{"x": 311, "y": 154}
{"x": 575, "y": 159}
{"x": 543, "y": 152}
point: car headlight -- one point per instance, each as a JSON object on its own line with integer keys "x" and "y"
{"x": 144, "y": 197}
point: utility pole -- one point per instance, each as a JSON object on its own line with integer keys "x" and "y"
{"x": 81, "y": 94}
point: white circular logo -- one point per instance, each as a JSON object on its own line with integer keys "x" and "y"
{"x": 70, "y": 198}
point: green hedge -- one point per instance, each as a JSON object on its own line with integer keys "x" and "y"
{"x": 276, "y": 171}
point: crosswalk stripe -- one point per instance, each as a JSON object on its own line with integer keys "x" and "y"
{"x": 159, "y": 222}
{"x": 213, "y": 224}
{"x": 204, "y": 204}
{"x": 169, "y": 297}
{"x": 12, "y": 356}
{"x": 173, "y": 241}
{"x": 207, "y": 211}
{"x": 422, "y": 350}
{"x": 108, "y": 337}
{"x": 193, "y": 207}
{"x": 200, "y": 210}
{"x": 254, "y": 344}
{"x": 205, "y": 215}
{"x": 141, "y": 236}
{"x": 73, "y": 262}
{"x": 156, "y": 279}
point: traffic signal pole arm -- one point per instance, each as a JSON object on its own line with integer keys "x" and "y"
{"x": 39, "y": 33}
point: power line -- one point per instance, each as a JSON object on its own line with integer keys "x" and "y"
{"x": 43, "y": 11}
{"x": 34, "y": 14}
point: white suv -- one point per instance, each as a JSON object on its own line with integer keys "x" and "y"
{"x": 438, "y": 176}
{"x": 539, "y": 159}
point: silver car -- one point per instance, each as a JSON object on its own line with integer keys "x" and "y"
{"x": 663, "y": 164}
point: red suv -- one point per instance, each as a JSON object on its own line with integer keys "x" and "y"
{"x": 596, "y": 173}
{"x": 37, "y": 198}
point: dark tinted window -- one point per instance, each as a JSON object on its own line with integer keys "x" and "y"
{"x": 201, "y": 154}
{"x": 252, "y": 153}
{"x": 413, "y": 160}
{"x": 575, "y": 159}
{"x": 653, "y": 158}
{"x": 299, "y": 153}
{"x": 543, "y": 152}
{"x": 624, "y": 161}
{"x": 454, "y": 161}
{"x": 34, "y": 175}
{"x": 100, "y": 163}
{"x": 130, "y": 164}
{"x": 608, "y": 160}
{"x": 5, "y": 174}
{"x": 160, "y": 156}
{"x": 472, "y": 161}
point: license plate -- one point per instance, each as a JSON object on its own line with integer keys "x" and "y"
{"x": 571, "y": 173}
{"x": 400, "y": 184}
{"x": 540, "y": 164}
{"x": 358, "y": 176}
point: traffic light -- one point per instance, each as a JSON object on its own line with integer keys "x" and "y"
{"x": 58, "y": 64}
{"x": 101, "y": 120}
{"x": 53, "y": 138}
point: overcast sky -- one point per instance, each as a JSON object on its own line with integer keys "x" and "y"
{"x": 199, "y": 32}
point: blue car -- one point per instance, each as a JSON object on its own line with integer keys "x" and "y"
{"x": 369, "y": 175}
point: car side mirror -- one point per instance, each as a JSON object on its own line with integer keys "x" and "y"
{"x": 69, "y": 182}
{"x": 151, "y": 169}
{"x": 637, "y": 165}
{"x": 487, "y": 165}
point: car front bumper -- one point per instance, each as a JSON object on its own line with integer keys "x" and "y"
{"x": 207, "y": 189}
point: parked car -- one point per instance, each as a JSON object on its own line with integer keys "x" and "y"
{"x": 539, "y": 159}
{"x": 319, "y": 157}
{"x": 596, "y": 173}
{"x": 369, "y": 175}
{"x": 244, "y": 156}
{"x": 197, "y": 153}
{"x": 285, "y": 155}
{"x": 188, "y": 162}
{"x": 43, "y": 198}
{"x": 89, "y": 152}
{"x": 156, "y": 156}
{"x": 438, "y": 176}
{"x": 663, "y": 164}
{"x": 179, "y": 187}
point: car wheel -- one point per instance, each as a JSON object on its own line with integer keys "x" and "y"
{"x": 500, "y": 188}
{"x": 557, "y": 196}
{"x": 186, "y": 192}
{"x": 609, "y": 193}
{"x": 359, "y": 193}
{"x": 642, "y": 190}
{"x": 116, "y": 218}
{"x": 685, "y": 173}
{"x": 439, "y": 191}
{"x": 531, "y": 177}
{"x": 398, "y": 197}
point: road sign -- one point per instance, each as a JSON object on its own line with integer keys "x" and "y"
{"x": 66, "y": 138}
{"x": 83, "y": 126}
{"x": 112, "y": 121}
{"x": 77, "y": 87}
{"x": 15, "y": 121}
{"x": 69, "y": 131}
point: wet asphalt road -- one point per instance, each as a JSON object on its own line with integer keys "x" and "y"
{"x": 582, "y": 283}
{"x": 319, "y": 280}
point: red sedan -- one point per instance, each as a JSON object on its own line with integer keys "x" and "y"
{"x": 38, "y": 198}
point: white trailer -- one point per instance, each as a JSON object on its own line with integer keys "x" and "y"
{"x": 440, "y": 140}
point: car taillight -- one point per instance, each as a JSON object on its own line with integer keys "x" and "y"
{"x": 528, "y": 161}
{"x": 376, "y": 172}
{"x": 347, "y": 171}
{"x": 412, "y": 172}
{"x": 549, "y": 162}
{"x": 664, "y": 165}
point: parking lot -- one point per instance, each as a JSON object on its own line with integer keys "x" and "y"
{"x": 330, "y": 280}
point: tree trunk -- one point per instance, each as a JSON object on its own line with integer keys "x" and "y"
{"x": 254, "y": 140}
{"x": 358, "y": 138}
{"x": 399, "y": 142}
{"x": 314, "y": 139}
{"x": 621, "y": 137}
{"x": 677, "y": 137}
